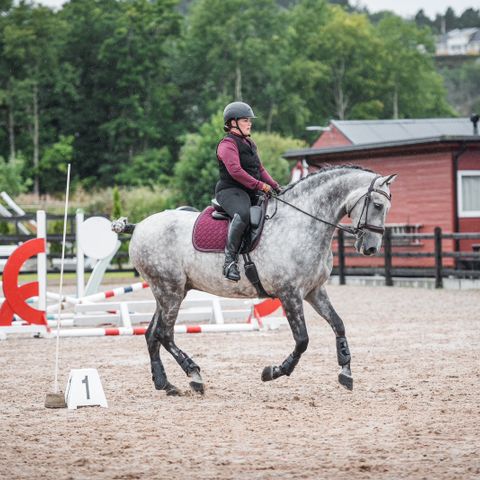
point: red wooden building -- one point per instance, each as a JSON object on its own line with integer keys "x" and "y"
{"x": 438, "y": 167}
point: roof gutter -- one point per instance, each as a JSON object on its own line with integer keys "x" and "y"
{"x": 379, "y": 148}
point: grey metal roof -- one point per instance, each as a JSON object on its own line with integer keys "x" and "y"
{"x": 370, "y": 147}
{"x": 383, "y": 131}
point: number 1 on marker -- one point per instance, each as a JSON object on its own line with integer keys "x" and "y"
{"x": 85, "y": 381}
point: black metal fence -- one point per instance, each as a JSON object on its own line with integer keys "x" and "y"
{"x": 466, "y": 264}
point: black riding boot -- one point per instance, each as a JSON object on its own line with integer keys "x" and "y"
{"x": 234, "y": 241}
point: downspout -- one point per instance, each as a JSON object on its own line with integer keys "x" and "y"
{"x": 456, "y": 220}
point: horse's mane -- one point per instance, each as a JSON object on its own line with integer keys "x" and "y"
{"x": 323, "y": 171}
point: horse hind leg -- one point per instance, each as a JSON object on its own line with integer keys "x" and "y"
{"x": 159, "y": 375}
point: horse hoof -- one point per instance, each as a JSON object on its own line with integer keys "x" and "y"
{"x": 267, "y": 374}
{"x": 160, "y": 385}
{"x": 172, "y": 390}
{"x": 197, "y": 387}
{"x": 346, "y": 381}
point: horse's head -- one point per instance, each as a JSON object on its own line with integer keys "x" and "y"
{"x": 368, "y": 211}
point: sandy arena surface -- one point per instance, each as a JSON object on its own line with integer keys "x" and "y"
{"x": 414, "y": 412}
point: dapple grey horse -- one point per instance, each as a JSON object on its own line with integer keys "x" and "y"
{"x": 294, "y": 260}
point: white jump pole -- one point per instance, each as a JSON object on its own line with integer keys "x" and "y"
{"x": 42, "y": 261}
{"x": 56, "y": 399}
{"x": 95, "y": 297}
{"x": 79, "y": 218}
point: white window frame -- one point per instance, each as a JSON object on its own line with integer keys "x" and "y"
{"x": 461, "y": 212}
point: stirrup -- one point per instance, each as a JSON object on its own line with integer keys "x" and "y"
{"x": 227, "y": 271}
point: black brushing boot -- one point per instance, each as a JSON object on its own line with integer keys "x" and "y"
{"x": 234, "y": 241}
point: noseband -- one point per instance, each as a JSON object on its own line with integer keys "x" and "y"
{"x": 368, "y": 198}
{"x": 361, "y": 227}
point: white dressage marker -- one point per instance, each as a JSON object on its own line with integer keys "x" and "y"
{"x": 96, "y": 238}
{"x": 84, "y": 389}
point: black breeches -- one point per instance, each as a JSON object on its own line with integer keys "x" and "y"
{"x": 235, "y": 200}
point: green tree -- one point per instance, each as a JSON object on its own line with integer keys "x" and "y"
{"x": 421, "y": 20}
{"x": 11, "y": 179}
{"x": 196, "y": 171}
{"x": 31, "y": 53}
{"x": 121, "y": 53}
{"x": 137, "y": 57}
{"x": 232, "y": 51}
{"x": 350, "y": 49}
{"x": 305, "y": 72}
{"x": 462, "y": 84}
{"x": 412, "y": 86}
{"x": 470, "y": 18}
{"x": 149, "y": 168}
{"x": 55, "y": 159}
{"x": 90, "y": 24}
{"x": 271, "y": 147}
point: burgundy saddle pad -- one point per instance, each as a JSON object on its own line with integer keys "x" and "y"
{"x": 209, "y": 235}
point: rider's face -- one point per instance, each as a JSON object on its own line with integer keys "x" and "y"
{"x": 245, "y": 125}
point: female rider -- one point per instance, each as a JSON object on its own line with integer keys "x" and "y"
{"x": 241, "y": 176}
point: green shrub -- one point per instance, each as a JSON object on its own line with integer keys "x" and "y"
{"x": 11, "y": 180}
{"x": 196, "y": 171}
{"x": 53, "y": 164}
{"x": 148, "y": 168}
{"x": 117, "y": 204}
{"x": 134, "y": 203}
{"x": 271, "y": 147}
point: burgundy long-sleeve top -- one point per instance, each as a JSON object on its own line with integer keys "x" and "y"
{"x": 227, "y": 152}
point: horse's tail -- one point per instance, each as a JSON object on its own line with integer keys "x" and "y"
{"x": 122, "y": 226}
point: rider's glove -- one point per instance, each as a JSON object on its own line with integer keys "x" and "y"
{"x": 278, "y": 189}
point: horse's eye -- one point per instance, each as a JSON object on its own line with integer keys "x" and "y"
{"x": 378, "y": 206}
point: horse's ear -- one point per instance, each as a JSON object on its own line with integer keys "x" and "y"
{"x": 388, "y": 180}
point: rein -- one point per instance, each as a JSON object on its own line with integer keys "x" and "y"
{"x": 360, "y": 226}
{"x": 345, "y": 229}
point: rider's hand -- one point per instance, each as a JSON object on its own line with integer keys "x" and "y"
{"x": 278, "y": 189}
{"x": 267, "y": 189}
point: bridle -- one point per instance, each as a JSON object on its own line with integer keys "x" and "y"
{"x": 361, "y": 227}
{"x": 368, "y": 198}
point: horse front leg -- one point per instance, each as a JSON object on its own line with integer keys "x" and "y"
{"x": 293, "y": 306}
{"x": 319, "y": 300}
{"x": 153, "y": 336}
{"x": 161, "y": 332}
{"x": 186, "y": 363}
{"x": 170, "y": 309}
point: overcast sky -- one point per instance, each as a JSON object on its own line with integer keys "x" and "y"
{"x": 408, "y": 8}
{"x": 405, "y": 8}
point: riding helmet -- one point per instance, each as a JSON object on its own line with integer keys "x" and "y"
{"x": 236, "y": 110}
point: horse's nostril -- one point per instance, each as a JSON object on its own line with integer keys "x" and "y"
{"x": 370, "y": 251}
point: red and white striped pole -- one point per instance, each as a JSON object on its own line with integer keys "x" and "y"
{"x": 209, "y": 328}
{"x": 96, "y": 296}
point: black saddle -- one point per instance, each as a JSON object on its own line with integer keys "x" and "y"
{"x": 257, "y": 220}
